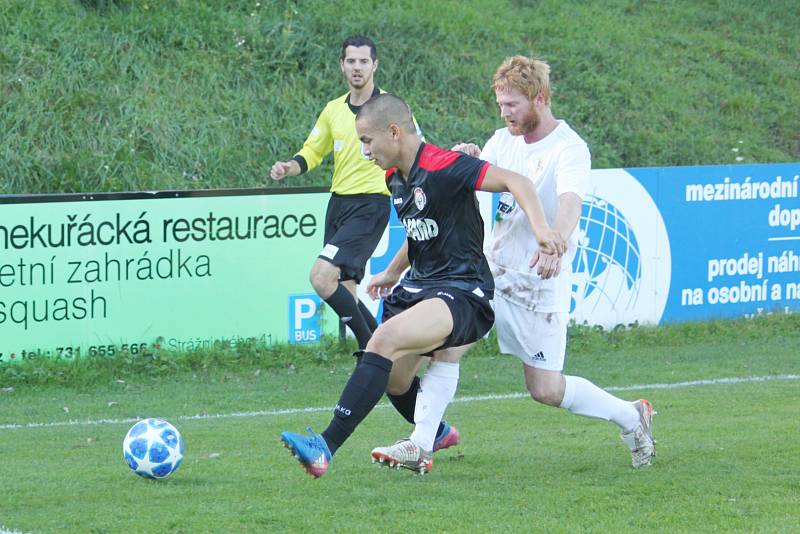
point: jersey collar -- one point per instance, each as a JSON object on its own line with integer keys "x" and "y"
{"x": 375, "y": 91}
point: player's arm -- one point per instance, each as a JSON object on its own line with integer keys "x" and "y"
{"x": 317, "y": 145}
{"x": 284, "y": 169}
{"x": 381, "y": 283}
{"x": 567, "y": 217}
{"x": 568, "y": 214}
{"x": 572, "y": 179}
{"x": 502, "y": 180}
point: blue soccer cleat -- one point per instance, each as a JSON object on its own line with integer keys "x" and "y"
{"x": 448, "y": 437}
{"x": 311, "y": 451}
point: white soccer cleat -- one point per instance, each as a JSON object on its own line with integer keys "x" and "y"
{"x": 640, "y": 440}
{"x": 404, "y": 454}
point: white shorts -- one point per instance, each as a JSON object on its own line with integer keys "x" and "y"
{"x": 539, "y": 339}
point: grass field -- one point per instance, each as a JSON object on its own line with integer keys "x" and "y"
{"x": 728, "y": 455}
{"x": 110, "y": 95}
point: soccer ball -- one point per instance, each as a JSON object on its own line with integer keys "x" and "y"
{"x": 153, "y": 448}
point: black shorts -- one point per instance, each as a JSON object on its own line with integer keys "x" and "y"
{"x": 473, "y": 315}
{"x": 354, "y": 225}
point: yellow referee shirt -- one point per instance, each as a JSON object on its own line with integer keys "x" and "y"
{"x": 335, "y": 130}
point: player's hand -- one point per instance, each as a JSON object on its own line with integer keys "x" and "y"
{"x": 470, "y": 149}
{"x": 547, "y": 265}
{"x": 551, "y": 242}
{"x": 381, "y": 284}
{"x": 280, "y": 170}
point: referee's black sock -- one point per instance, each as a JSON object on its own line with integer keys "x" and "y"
{"x": 362, "y": 392}
{"x": 372, "y": 323}
{"x": 347, "y": 309}
{"x": 406, "y": 403}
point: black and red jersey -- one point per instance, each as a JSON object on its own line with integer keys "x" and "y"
{"x": 440, "y": 212}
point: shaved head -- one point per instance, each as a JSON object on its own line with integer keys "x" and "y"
{"x": 382, "y": 110}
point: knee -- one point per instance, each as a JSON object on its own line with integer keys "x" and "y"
{"x": 381, "y": 342}
{"x": 545, "y": 394}
{"x": 323, "y": 282}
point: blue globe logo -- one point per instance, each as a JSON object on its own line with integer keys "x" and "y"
{"x": 607, "y": 269}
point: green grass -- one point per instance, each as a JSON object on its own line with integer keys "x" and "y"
{"x": 135, "y": 94}
{"x": 727, "y": 460}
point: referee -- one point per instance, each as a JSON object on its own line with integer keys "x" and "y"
{"x": 358, "y": 210}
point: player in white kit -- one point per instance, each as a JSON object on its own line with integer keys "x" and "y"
{"x": 532, "y": 313}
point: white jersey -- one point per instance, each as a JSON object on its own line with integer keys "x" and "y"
{"x": 557, "y": 164}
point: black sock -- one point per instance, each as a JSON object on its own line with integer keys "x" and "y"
{"x": 346, "y": 308}
{"x": 372, "y": 323}
{"x": 407, "y": 402}
{"x": 362, "y": 392}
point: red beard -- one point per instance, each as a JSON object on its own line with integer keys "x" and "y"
{"x": 528, "y": 124}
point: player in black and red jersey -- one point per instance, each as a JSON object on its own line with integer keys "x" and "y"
{"x": 442, "y": 306}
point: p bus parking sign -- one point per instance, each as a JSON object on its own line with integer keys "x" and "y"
{"x": 305, "y": 318}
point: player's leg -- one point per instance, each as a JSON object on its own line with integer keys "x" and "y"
{"x": 372, "y": 323}
{"x": 364, "y": 229}
{"x": 325, "y": 280}
{"x": 354, "y": 225}
{"x": 438, "y": 388}
{"x": 398, "y": 337}
{"x": 582, "y": 397}
{"x": 403, "y": 395}
{"x": 404, "y": 387}
{"x": 472, "y": 318}
{"x": 539, "y": 340}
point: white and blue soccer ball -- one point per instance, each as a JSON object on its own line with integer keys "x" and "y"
{"x": 153, "y": 448}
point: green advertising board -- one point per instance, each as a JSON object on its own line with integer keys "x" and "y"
{"x": 97, "y": 274}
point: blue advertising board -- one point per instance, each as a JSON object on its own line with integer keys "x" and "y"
{"x": 668, "y": 244}
{"x": 734, "y": 236}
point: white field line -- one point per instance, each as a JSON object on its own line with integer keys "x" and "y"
{"x": 475, "y": 398}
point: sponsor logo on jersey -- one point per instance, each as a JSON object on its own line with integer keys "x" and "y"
{"x": 505, "y": 206}
{"x": 421, "y": 229}
{"x": 419, "y": 198}
{"x": 397, "y": 201}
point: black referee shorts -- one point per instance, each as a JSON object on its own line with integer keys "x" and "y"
{"x": 354, "y": 225}
{"x": 473, "y": 315}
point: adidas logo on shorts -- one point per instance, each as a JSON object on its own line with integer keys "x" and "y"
{"x": 538, "y": 356}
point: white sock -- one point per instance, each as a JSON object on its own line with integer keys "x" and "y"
{"x": 436, "y": 389}
{"x": 581, "y": 397}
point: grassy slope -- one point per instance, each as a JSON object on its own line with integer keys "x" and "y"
{"x": 188, "y": 94}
